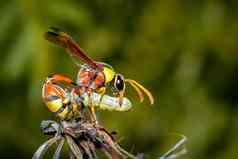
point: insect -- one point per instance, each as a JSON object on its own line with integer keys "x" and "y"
{"x": 95, "y": 76}
{"x": 106, "y": 102}
{"x": 66, "y": 103}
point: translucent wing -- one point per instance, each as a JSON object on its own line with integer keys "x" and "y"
{"x": 66, "y": 41}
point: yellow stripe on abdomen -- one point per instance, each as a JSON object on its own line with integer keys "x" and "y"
{"x": 54, "y": 105}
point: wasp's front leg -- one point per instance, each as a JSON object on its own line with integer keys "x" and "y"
{"x": 119, "y": 95}
{"x": 91, "y": 107}
{"x": 101, "y": 90}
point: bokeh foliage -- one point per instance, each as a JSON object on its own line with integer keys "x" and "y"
{"x": 185, "y": 52}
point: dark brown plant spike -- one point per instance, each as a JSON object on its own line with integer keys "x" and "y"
{"x": 83, "y": 138}
{"x": 88, "y": 149}
{"x": 177, "y": 150}
{"x": 71, "y": 156}
{"x": 44, "y": 147}
{"x": 74, "y": 148}
{"x": 58, "y": 150}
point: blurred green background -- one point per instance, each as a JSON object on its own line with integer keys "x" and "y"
{"x": 185, "y": 52}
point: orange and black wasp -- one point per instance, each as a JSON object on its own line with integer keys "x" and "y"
{"x": 95, "y": 76}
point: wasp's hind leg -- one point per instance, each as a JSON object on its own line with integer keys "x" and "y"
{"x": 60, "y": 78}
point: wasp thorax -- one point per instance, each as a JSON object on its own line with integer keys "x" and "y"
{"x": 108, "y": 72}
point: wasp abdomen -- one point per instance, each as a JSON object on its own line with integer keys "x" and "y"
{"x": 54, "y": 97}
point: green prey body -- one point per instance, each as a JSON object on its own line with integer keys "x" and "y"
{"x": 106, "y": 102}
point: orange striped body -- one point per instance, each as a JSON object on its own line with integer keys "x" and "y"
{"x": 58, "y": 100}
{"x": 90, "y": 79}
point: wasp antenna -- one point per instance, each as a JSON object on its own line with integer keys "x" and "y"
{"x": 138, "y": 91}
{"x": 147, "y": 92}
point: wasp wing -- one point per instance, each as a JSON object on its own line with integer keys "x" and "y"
{"x": 66, "y": 41}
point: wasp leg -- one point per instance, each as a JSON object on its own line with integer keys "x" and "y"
{"x": 101, "y": 90}
{"x": 91, "y": 108}
{"x": 60, "y": 78}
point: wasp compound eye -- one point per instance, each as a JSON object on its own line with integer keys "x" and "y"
{"x": 119, "y": 82}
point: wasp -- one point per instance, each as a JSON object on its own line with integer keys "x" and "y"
{"x": 95, "y": 76}
{"x": 65, "y": 102}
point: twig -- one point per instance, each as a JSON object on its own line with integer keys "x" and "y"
{"x": 83, "y": 138}
{"x": 174, "y": 151}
